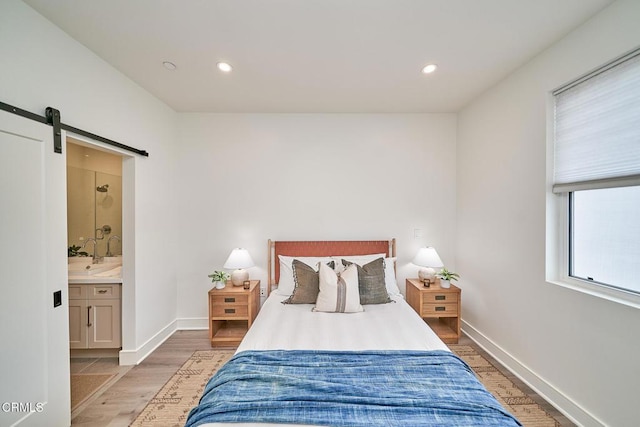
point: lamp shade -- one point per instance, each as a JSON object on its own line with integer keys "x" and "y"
{"x": 428, "y": 257}
{"x": 239, "y": 258}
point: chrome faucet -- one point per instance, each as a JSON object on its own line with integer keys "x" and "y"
{"x": 95, "y": 248}
{"x": 109, "y": 244}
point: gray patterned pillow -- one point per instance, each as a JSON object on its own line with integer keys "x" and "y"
{"x": 306, "y": 283}
{"x": 371, "y": 282}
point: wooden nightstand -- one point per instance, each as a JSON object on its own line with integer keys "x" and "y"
{"x": 439, "y": 307}
{"x": 232, "y": 311}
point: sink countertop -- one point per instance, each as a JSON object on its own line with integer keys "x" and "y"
{"x": 92, "y": 280}
{"x": 110, "y": 276}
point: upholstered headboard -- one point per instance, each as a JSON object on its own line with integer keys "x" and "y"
{"x": 323, "y": 248}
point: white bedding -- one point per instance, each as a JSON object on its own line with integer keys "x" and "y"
{"x": 392, "y": 326}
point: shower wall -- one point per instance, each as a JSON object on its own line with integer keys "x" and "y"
{"x": 87, "y": 208}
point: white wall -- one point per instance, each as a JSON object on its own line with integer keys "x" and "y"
{"x": 583, "y": 350}
{"x": 244, "y": 179}
{"x": 42, "y": 66}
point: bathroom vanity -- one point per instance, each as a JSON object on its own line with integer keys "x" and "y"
{"x": 94, "y": 316}
{"x": 95, "y": 320}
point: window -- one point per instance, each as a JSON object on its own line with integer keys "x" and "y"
{"x": 605, "y": 237}
{"x": 597, "y": 169}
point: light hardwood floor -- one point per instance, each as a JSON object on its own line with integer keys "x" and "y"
{"x": 126, "y": 398}
{"x": 119, "y": 403}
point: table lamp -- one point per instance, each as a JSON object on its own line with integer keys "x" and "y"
{"x": 429, "y": 259}
{"x": 239, "y": 259}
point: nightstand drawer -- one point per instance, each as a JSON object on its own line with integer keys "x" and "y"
{"x": 440, "y": 297}
{"x": 240, "y": 299}
{"x": 229, "y": 310}
{"x": 446, "y": 309}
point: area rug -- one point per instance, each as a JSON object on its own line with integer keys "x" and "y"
{"x": 514, "y": 400}
{"x": 171, "y": 406}
{"x": 84, "y": 385}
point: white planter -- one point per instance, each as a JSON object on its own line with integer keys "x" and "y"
{"x": 445, "y": 283}
{"x": 219, "y": 285}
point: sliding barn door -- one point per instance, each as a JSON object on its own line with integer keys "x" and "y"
{"x": 34, "y": 336}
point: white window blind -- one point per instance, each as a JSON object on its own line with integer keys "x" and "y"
{"x": 597, "y": 128}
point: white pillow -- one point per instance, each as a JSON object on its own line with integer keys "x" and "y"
{"x": 286, "y": 283}
{"x": 338, "y": 293}
{"x": 358, "y": 259}
{"x": 389, "y": 269}
{"x": 390, "y": 276}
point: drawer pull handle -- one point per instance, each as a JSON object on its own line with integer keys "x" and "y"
{"x": 229, "y": 310}
{"x": 102, "y": 291}
{"x": 229, "y": 300}
{"x": 441, "y": 308}
{"x": 441, "y": 297}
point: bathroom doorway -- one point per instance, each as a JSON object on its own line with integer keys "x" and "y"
{"x": 96, "y": 236}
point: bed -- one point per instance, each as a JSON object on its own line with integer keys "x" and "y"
{"x": 342, "y": 363}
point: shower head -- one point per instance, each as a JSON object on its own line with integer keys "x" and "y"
{"x": 103, "y": 188}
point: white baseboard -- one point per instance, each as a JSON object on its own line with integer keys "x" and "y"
{"x": 193, "y": 323}
{"x": 134, "y": 357}
{"x": 563, "y": 403}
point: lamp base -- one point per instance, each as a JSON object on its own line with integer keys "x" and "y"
{"x": 239, "y": 276}
{"x": 427, "y": 276}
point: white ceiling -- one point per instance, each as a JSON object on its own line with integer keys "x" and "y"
{"x": 317, "y": 55}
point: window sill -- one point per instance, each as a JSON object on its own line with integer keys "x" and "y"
{"x": 610, "y": 294}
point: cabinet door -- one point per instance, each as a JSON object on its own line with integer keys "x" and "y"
{"x": 104, "y": 331}
{"x": 78, "y": 319}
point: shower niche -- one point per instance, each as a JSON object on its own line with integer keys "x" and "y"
{"x": 94, "y": 200}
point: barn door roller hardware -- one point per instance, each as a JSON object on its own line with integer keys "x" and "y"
{"x": 52, "y": 118}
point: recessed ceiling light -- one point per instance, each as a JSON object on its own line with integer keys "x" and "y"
{"x": 169, "y": 65}
{"x": 428, "y": 69}
{"x": 224, "y": 67}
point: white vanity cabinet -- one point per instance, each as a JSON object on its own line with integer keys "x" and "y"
{"x": 94, "y": 316}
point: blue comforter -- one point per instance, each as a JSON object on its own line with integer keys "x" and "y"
{"x": 336, "y": 388}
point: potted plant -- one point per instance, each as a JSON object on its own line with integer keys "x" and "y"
{"x": 219, "y": 279}
{"x": 446, "y": 277}
{"x": 76, "y": 255}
